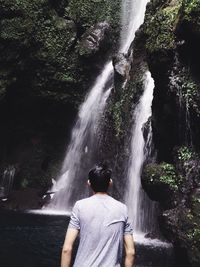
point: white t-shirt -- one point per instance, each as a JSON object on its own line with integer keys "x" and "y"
{"x": 102, "y": 222}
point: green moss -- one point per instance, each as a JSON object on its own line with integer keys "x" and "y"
{"x": 162, "y": 174}
{"x": 41, "y": 44}
{"x": 122, "y": 105}
{"x": 159, "y": 28}
{"x": 117, "y": 116}
{"x": 53, "y": 47}
{"x": 101, "y": 10}
{"x": 190, "y": 92}
{"x": 187, "y": 89}
{"x": 80, "y": 11}
{"x": 191, "y": 7}
{"x": 185, "y": 153}
{"x": 24, "y": 183}
{"x": 63, "y": 77}
{"x": 16, "y": 29}
{"x": 168, "y": 175}
{"x": 189, "y": 233}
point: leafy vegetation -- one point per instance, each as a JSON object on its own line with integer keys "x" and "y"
{"x": 184, "y": 154}
{"x": 159, "y": 28}
{"x": 162, "y": 174}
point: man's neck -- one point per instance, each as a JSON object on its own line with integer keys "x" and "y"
{"x": 101, "y": 193}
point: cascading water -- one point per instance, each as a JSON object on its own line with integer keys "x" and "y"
{"x": 80, "y": 153}
{"x": 132, "y": 17}
{"x": 140, "y": 207}
{"x": 6, "y": 182}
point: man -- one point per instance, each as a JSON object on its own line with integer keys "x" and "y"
{"x": 103, "y": 225}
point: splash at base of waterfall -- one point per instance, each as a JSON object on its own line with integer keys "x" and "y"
{"x": 139, "y": 238}
{"x": 152, "y": 242}
{"x": 50, "y": 212}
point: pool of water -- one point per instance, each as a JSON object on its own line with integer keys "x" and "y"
{"x": 35, "y": 240}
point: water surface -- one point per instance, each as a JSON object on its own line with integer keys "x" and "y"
{"x": 32, "y": 240}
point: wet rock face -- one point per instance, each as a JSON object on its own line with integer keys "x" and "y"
{"x": 176, "y": 187}
{"x": 115, "y": 142}
{"x": 171, "y": 33}
{"x": 122, "y": 67}
{"x": 94, "y": 38}
{"x": 160, "y": 182}
{"x": 121, "y": 64}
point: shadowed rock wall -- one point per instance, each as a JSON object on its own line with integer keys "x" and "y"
{"x": 171, "y": 31}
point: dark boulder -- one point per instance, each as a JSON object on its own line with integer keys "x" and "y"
{"x": 94, "y": 39}
{"x": 176, "y": 187}
{"x": 161, "y": 183}
{"x": 122, "y": 67}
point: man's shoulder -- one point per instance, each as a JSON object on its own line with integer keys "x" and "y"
{"x": 83, "y": 201}
{"x": 91, "y": 201}
{"x": 119, "y": 203}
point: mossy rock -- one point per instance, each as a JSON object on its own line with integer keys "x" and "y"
{"x": 101, "y": 10}
{"x": 40, "y": 39}
{"x": 161, "y": 182}
{"x": 160, "y": 27}
{"x": 183, "y": 227}
{"x": 190, "y": 19}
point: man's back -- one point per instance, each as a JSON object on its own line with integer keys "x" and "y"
{"x": 102, "y": 222}
{"x": 103, "y": 225}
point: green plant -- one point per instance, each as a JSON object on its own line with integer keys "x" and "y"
{"x": 184, "y": 153}
{"x": 159, "y": 28}
{"x": 24, "y": 183}
{"x": 168, "y": 175}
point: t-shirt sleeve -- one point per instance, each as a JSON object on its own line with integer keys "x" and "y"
{"x": 128, "y": 228}
{"x": 74, "y": 219}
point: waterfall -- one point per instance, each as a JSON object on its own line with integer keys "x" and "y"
{"x": 132, "y": 17}
{"x": 140, "y": 207}
{"x": 80, "y": 154}
{"x": 6, "y": 182}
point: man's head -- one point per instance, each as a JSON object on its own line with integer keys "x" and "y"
{"x": 99, "y": 178}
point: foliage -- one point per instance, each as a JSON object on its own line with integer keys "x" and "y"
{"x": 159, "y": 28}
{"x": 184, "y": 154}
{"x": 187, "y": 88}
{"x": 80, "y": 11}
{"x": 190, "y": 91}
{"x": 172, "y": 31}
{"x": 102, "y": 10}
{"x": 168, "y": 175}
{"x": 189, "y": 224}
{"x": 39, "y": 39}
{"x": 191, "y": 9}
{"x": 24, "y": 183}
{"x": 162, "y": 174}
{"x": 123, "y": 104}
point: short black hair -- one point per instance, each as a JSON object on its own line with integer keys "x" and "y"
{"x": 99, "y": 178}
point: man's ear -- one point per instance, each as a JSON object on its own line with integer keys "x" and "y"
{"x": 88, "y": 182}
{"x": 111, "y": 182}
